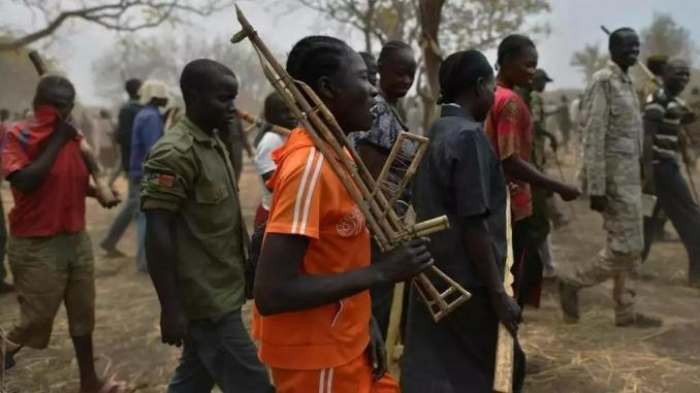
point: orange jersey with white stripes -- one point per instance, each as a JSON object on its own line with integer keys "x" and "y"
{"x": 309, "y": 200}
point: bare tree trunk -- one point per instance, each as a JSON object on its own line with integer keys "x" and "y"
{"x": 430, "y": 16}
{"x": 369, "y": 25}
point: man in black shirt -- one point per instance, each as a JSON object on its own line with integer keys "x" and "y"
{"x": 462, "y": 178}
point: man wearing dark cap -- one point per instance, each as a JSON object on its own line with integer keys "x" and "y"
{"x": 196, "y": 239}
{"x": 49, "y": 250}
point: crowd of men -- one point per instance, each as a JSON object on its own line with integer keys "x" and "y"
{"x": 322, "y": 289}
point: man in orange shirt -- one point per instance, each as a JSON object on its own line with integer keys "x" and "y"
{"x": 314, "y": 269}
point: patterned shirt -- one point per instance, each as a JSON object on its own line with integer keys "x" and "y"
{"x": 510, "y": 129}
{"x": 668, "y": 113}
{"x": 386, "y": 127}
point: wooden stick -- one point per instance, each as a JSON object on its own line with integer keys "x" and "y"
{"x": 255, "y": 121}
{"x": 393, "y": 338}
{"x": 503, "y": 376}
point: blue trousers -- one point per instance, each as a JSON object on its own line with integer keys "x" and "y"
{"x": 129, "y": 212}
{"x": 220, "y": 353}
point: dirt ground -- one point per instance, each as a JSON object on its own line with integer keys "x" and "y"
{"x": 590, "y": 357}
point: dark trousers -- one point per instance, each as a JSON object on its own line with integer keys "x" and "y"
{"x": 457, "y": 354}
{"x": 528, "y": 236}
{"x": 676, "y": 201}
{"x": 220, "y": 353}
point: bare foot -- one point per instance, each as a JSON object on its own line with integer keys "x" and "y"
{"x": 8, "y": 349}
{"x": 109, "y": 386}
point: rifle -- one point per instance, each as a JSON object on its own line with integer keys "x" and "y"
{"x": 102, "y": 188}
{"x": 682, "y": 132}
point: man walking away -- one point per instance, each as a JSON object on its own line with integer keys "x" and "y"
{"x": 127, "y": 113}
{"x": 148, "y": 128}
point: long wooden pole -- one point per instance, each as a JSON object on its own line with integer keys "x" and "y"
{"x": 503, "y": 375}
{"x": 250, "y": 119}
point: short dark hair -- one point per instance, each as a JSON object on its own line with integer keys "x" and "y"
{"x": 656, "y": 64}
{"x": 47, "y": 86}
{"x": 4, "y": 114}
{"x": 615, "y": 38}
{"x": 199, "y": 73}
{"x": 390, "y": 48}
{"x": 460, "y": 72}
{"x": 316, "y": 56}
{"x": 273, "y": 102}
{"x": 512, "y": 46}
{"x": 368, "y": 58}
{"x": 132, "y": 87}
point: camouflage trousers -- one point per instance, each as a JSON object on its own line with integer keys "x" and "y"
{"x": 609, "y": 264}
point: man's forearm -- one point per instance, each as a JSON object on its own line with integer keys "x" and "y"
{"x": 30, "y": 177}
{"x": 515, "y": 167}
{"x": 478, "y": 245}
{"x": 161, "y": 257}
{"x": 308, "y": 291}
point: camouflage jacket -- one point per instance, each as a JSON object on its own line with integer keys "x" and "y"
{"x": 611, "y": 123}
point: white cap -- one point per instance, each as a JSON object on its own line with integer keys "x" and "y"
{"x": 152, "y": 89}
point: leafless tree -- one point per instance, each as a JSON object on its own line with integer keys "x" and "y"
{"x": 589, "y": 60}
{"x": 164, "y": 57}
{"x": 117, "y": 15}
{"x": 436, "y": 26}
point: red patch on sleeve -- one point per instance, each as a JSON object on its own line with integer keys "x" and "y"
{"x": 166, "y": 180}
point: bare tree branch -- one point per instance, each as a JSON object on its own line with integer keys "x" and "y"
{"x": 117, "y": 15}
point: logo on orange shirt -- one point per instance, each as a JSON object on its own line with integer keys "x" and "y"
{"x": 352, "y": 224}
